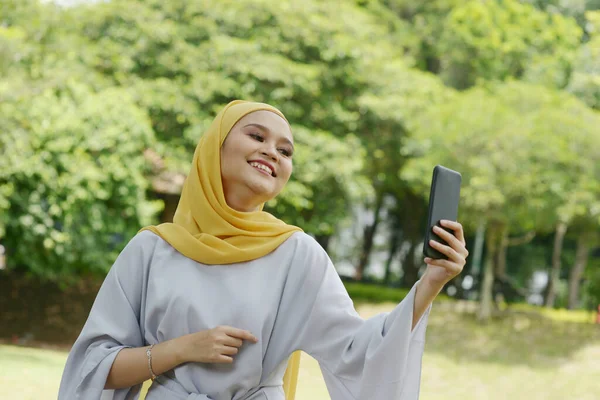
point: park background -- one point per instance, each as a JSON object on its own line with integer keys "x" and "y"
{"x": 103, "y": 102}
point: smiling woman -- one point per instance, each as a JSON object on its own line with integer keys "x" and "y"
{"x": 256, "y": 160}
{"x": 213, "y": 305}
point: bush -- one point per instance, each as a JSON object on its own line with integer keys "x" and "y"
{"x": 72, "y": 185}
{"x": 372, "y": 293}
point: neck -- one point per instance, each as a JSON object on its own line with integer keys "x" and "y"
{"x": 242, "y": 202}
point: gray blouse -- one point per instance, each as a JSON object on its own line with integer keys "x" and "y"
{"x": 291, "y": 299}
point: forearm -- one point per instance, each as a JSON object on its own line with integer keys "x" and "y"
{"x": 130, "y": 367}
{"x": 424, "y": 296}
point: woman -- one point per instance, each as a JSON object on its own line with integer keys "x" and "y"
{"x": 212, "y": 305}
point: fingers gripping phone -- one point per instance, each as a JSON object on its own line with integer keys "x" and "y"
{"x": 443, "y": 204}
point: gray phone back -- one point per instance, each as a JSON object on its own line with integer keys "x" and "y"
{"x": 443, "y": 204}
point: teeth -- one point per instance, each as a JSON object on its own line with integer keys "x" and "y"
{"x": 262, "y": 166}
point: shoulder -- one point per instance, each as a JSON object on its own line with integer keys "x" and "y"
{"x": 141, "y": 245}
{"x": 308, "y": 258}
{"x": 144, "y": 239}
{"x": 307, "y": 245}
{"x": 136, "y": 256}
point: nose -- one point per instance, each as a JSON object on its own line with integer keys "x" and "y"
{"x": 270, "y": 151}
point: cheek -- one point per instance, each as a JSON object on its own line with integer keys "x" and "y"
{"x": 286, "y": 170}
{"x": 225, "y": 166}
{"x": 229, "y": 154}
{"x": 236, "y": 150}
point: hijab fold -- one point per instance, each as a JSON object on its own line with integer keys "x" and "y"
{"x": 204, "y": 227}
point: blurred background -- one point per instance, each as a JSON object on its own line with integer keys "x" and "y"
{"x": 103, "y": 102}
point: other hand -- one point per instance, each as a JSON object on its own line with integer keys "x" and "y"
{"x": 217, "y": 345}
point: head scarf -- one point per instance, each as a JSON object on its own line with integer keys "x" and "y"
{"x": 204, "y": 227}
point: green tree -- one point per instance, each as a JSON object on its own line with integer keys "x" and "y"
{"x": 518, "y": 147}
{"x": 585, "y": 80}
{"x": 183, "y": 60}
{"x": 507, "y": 39}
{"x": 397, "y": 97}
{"x": 464, "y": 42}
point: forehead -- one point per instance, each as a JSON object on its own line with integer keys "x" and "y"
{"x": 273, "y": 122}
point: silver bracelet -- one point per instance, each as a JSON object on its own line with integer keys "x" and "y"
{"x": 149, "y": 354}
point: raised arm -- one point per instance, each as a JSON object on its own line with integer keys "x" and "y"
{"x": 374, "y": 359}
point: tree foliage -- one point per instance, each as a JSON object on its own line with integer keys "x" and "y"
{"x": 378, "y": 92}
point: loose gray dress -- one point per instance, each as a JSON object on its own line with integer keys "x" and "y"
{"x": 291, "y": 299}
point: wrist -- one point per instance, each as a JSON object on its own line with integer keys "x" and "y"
{"x": 178, "y": 349}
{"x": 431, "y": 285}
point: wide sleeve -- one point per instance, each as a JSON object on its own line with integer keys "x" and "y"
{"x": 374, "y": 359}
{"x": 113, "y": 324}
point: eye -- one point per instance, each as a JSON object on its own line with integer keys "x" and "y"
{"x": 285, "y": 152}
{"x": 256, "y": 136}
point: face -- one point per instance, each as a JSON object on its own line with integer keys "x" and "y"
{"x": 256, "y": 160}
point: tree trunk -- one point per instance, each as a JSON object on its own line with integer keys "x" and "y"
{"x": 505, "y": 287}
{"x": 485, "y": 303}
{"x": 410, "y": 268}
{"x": 413, "y": 219}
{"x": 323, "y": 240}
{"x": 500, "y": 271}
{"x": 581, "y": 259}
{"x": 171, "y": 201}
{"x": 393, "y": 250}
{"x": 505, "y": 243}
{"x": 369, "y": 234}
{"x": 478, "y": 249}
{"x": 499, "y": 268}
{"x": 561, "y": 230}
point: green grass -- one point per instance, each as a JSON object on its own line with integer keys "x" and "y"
{"x": 562, "y": 314}
{"x": 28, "y": 374}
{"x": 525, "y": 354}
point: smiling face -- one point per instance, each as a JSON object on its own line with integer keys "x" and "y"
{"x": 256, "y": 160}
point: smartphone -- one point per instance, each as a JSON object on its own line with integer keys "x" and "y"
{"x": 443, "y": 204}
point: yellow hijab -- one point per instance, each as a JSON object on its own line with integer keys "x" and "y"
{"x": 204, "y": 227}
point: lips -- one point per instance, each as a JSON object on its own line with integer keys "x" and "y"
{"x": 263, "y": 167}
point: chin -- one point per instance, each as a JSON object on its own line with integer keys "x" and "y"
{"x": 262, "y": 191}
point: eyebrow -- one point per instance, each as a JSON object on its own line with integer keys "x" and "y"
{"x": 264, "y": 128}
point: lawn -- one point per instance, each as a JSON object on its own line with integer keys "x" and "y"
{"x": 524, "y": 354}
